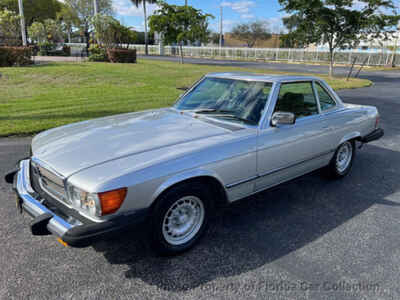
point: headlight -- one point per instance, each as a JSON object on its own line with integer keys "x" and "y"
{"x": 96, "y": 204}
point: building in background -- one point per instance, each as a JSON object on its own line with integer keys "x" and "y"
{"x": 273, "y": 42}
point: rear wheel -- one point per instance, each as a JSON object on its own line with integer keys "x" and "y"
{"x": 342, "y": 161}
{"x": 180, "y": 218}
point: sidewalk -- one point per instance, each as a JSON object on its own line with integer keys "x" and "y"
{"x": 59, "y": 59}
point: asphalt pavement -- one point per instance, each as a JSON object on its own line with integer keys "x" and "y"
{"x": 312, "y": 238}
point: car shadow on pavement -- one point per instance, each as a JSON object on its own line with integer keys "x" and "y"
{"x": 265, "y": 227}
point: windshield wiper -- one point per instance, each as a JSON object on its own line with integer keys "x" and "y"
{"x": 212, "y": 110}
{"x": 236, "y": 118}
{"x": 222, "y": 113}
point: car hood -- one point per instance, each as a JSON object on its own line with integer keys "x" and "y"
{"x": 71, "y": 148}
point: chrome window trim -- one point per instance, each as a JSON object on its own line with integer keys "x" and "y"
{"x": 266, "y": 116}
{"x": 315, "y": 82}
{"x": 331, "y": 92}
{"x": 278, "y": 85}
{"x": 316, "y": 96}
{"x": 260, "y": 121}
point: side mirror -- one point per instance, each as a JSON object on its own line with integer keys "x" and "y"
{"x": 283, "y": 118}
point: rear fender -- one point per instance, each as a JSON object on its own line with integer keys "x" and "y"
{"x": 350, "y": 136}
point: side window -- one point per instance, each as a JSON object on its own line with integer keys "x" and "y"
{"x": 297, "y": 98}
{"x": 325, "y": 100}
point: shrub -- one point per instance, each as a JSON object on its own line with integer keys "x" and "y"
{"x": 35, "y": 49}
{"x": 10, "y": 56}
{"x": 97, "y": 53}
{"x": 122, "y": 55}
{"x": 66, "y": 50}
{"x": 45, "y": 48}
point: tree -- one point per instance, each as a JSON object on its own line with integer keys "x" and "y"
{"x": 291, "y": 38}
{"x": 214, "y": 38}
{"x": 141, "y": 40}
{"x": 179, "y": 24}
{"x": 84, "y": 11}
{"x": 48, "y": 31}
{"x": 341, "y": 23}
{"x": 34, "y": 10}
{"x": 37, "y": 32}
{"x": 68, "y": 19}
{"x": 111, "y": 33}
{"x": 10, "y": 31}
{"x": 146, "y": 38}
{"x": 251, "y": 32}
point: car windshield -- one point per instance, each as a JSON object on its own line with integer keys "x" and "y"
{"x": 234, "y": 100}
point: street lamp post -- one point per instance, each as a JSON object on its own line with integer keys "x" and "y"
{"x": 22, "y": 19}
{"x": 95, "y": 7}
{"x": 220, "y": 27}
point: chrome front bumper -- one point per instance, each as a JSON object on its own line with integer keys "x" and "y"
{"x": 33, "y": 206}
{"x": 72, "y": 232}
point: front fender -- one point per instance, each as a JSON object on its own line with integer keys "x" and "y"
{"x": 189, "y": 174}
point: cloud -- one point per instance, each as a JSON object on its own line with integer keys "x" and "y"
{"x": 227, "y": 25}
{"x": 247, "y": 16}
{"x": 241, "y": 7}
{"x": 126, "y": 8}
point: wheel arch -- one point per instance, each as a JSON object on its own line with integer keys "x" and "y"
{"x": 355, "y": 135}
{"x": 203, "y": 176}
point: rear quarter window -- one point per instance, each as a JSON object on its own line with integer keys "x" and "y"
{"x": 325, "y": 100}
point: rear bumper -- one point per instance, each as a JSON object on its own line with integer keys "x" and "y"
{"x": 74, "y": 232}
{"x": 374, "y": 135}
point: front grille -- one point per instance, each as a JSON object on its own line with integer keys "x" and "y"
{"x": 43, "y": 180}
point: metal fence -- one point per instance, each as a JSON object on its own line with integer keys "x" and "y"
{"x": 276, "y": 54}
{"x": 370, "y": 58}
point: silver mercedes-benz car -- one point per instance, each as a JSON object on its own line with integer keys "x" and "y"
{"x": 229, "y": 136}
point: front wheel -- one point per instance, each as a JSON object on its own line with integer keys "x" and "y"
{"x": 342, "y": 161}
{"x": 180, "y": 218}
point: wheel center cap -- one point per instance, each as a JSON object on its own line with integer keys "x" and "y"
{"x": 182, "y": 219}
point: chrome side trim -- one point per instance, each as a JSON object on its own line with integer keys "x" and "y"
{"x": 228, "y": 186}
{"x": 296, "y": 163}
{"x": 57, "y": 225}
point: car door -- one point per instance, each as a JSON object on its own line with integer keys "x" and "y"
{"x": 288, "y": 151}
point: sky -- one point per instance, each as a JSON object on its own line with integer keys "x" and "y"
{"x": 234, "y": 12}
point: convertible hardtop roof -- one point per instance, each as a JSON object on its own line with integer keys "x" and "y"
{"x": 261, "y": 77}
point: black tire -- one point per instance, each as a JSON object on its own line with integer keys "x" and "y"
{"x": 334, "y": 171}
{"x": 166, "y": 202}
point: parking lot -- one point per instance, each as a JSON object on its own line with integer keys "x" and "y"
{"x": 308, "y": 239}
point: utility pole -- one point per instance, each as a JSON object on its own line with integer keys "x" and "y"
{"x": 96, "y": 9}
{"x": 220, "y": 27}
{"x": 22, "y": 19}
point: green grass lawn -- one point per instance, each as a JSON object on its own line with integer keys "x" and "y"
{"x": 36, "y": 98}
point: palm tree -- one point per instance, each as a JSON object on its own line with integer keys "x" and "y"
{"x": 137, "y": 3}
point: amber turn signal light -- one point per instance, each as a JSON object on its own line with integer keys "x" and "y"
{"x": 111, "y": 201}
{"x": 62, "y": 242}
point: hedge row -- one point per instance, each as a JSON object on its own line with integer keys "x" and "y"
{"x": 115, "y": 55}
{"x": 122, "y": 55}
{"x": 11, "y": 56}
